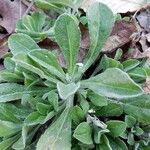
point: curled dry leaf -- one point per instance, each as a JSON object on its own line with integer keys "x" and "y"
{"x": 10, "y": 12}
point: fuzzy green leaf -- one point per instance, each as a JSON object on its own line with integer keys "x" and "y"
{"x": 58, "y": 135}
{"x": 66, "y": 90}
{"x": 47, "y": 60}
{"x": 116, "y": 128}
{"x": 6, "y": 144}
{"x": 97, "y": 100}
{"x": 67, "y": 35}
{"x": 112, "y": 109}
{"x": 83, "y": 133}
{"x": 100, "y": 23}
{"x": 113, "y": 83}
{"x": 8, "y": 128}
{"x": 21, "y": 43}
{"x": 117, "y": 144}
{"x": 10, "y": 91}
{"x": 138, "y": 107}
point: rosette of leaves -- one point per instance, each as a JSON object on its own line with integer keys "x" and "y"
{"x": 44, "y": 105}
{"x": 37, "y": 25}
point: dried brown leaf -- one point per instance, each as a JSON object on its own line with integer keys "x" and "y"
{"x": 10, "y": 12}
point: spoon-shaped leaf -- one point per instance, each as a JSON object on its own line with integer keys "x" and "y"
{"x": 113, "y": 83}
{"x": 21, "y": 43}
{"x": 67, "y": 35}
{"x": 100, "y": 23}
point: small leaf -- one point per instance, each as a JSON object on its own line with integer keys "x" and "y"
{"x": 104, "y": 144}
{"x": 100, "y": 23}
{"x": 66, "y": 90}
{"x": 42, "y": 108}
{"x": 130, "y": 140}
{"x": 67, "y": 35}
{"x": 97, "y": 100}
{"x": 130, "y": 64}
{"x": 53, "y": 99}
{"x": 113, "y": 83}
{"x": 139, "y": 131}
{"x": 117, "y": 144}
{"x": 77, "y": 115}
{"x": 117, "y": 128}
{"x": 21, "y": 43}
{"x": 110, "y": 63}
{"x": 58, "y": 135}
{"x": 83, "y": 133}
{"x": 34, "y": 118}
{"x": 112, "y": 109}
{"x": 138, "y": 74}
{"x": 84, "y": 104}
{"x": 130, "y": 121}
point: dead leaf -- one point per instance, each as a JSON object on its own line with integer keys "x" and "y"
{"x": 143, "y": 18}
{"x": 117, "y": 6}
{"x": 120, "y": 36}
{"x": 10, "y": 11}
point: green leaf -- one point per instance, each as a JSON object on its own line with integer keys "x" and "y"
{"x": 131, "y": 140}
{"x": 130, "y": 64}
{"x": 67, "y": 35}
{"x": 10, "y": 91}
{"x": 113, "y": 83}
{"x": 21, "y": 143}
{"x": 84, "y": 104}
{"x": 83, "y": 133}
{"x": 21, "y": 43}
{"x": 66, "y": 90}
{"x": 130, "y": 121}
{"x": 42, "y": 108}
{"x": 10, "y": 77}
{"x": 112, "y": 109}
{"x": 9, "y": 64}
{"x": 138, "y": 74}
{"x": 111, "y": 63}
{"x": 118, "y": 54}
{"x": 48, "y": 60}
{"x": 23, "y": 61}
{"x": 138, "y": 107}
{"x": 105, "y": 145}
{"x": 58, "y": 135}
{"x": 4, "y": 145}
{"x": 117, "y": 128}
{"x": 138, "y": 131}
{"x": 97, "y": 100}
{"x": 117, "y": 144}
{"x": 8, "y": 128}
{"x": 35, "y": 22}
{"x": 77, "y": 115}
{"x": 100, "y": 23}
{"x": 34, "y": 118}
{"x": 53, "y": 99}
